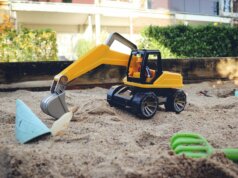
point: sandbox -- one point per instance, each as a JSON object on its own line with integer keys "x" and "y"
{"x": 103, "y": 141}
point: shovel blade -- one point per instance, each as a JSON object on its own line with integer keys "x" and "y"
{"x": 54, "y": 105}
{"x": 61, "y": 124}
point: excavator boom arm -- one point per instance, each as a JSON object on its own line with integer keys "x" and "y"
{"x": 94, "y": 58}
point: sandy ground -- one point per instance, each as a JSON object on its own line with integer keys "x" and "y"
{"x": 107, "y": 142}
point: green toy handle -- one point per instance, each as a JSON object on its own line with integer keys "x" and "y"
{"x": 231, "y": 153}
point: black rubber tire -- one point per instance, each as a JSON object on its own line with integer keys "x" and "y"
{"x": 176, "y": 101}
{"x": 148, "y": 106}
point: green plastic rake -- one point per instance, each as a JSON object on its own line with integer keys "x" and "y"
{"x": 196, "y": 146}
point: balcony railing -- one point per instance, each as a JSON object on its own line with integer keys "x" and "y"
{"x": 59, "y": 1}
{"x": 128, "y": 4}
{"x": 228, "y": 8}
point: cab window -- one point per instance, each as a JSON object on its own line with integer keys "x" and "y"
{"x": 135, "y": 65}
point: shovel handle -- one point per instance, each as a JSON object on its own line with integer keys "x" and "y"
{"x": 231, "y": 153}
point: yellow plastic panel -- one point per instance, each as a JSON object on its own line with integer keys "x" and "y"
{"x": 138, "y": 84}
{"x": 166, "y": 80}
{"x": 169, "y": 80}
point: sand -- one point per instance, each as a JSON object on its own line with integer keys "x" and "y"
{"x": 102, "y": 141}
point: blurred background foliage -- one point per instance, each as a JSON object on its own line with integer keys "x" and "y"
{"x": 83, "y": 46}
{"x": 26, "y": 45}
{"x": 192, "y": 41}
{"x": 173, "y": 41}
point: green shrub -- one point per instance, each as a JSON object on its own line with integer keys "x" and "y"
{"x": 152, "y": 44}
{"x": 28, "y": 45}
{"x": 188, "y": 41}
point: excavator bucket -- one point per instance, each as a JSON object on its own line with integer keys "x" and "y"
{"x": 54, "y": 105}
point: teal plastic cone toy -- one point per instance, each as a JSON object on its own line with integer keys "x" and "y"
{"x": 28, "y": 125}
{"x": 236, "y": 93}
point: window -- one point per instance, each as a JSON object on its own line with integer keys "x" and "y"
{"x": 235, "y": 6}
{"x": 144, "y": 66}
{"x": 227, "y": 6}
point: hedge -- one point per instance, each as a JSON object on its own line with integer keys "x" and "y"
{"x": 192, "y": 41}
{"x": 28, "y": 45}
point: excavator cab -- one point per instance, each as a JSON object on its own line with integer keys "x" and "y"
{"x": 144, "y": 66}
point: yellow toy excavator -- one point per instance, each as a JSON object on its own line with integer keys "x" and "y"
{"x": 145, "y": 87}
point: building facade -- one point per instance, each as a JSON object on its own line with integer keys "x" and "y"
{"x": 95, "y": 19}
